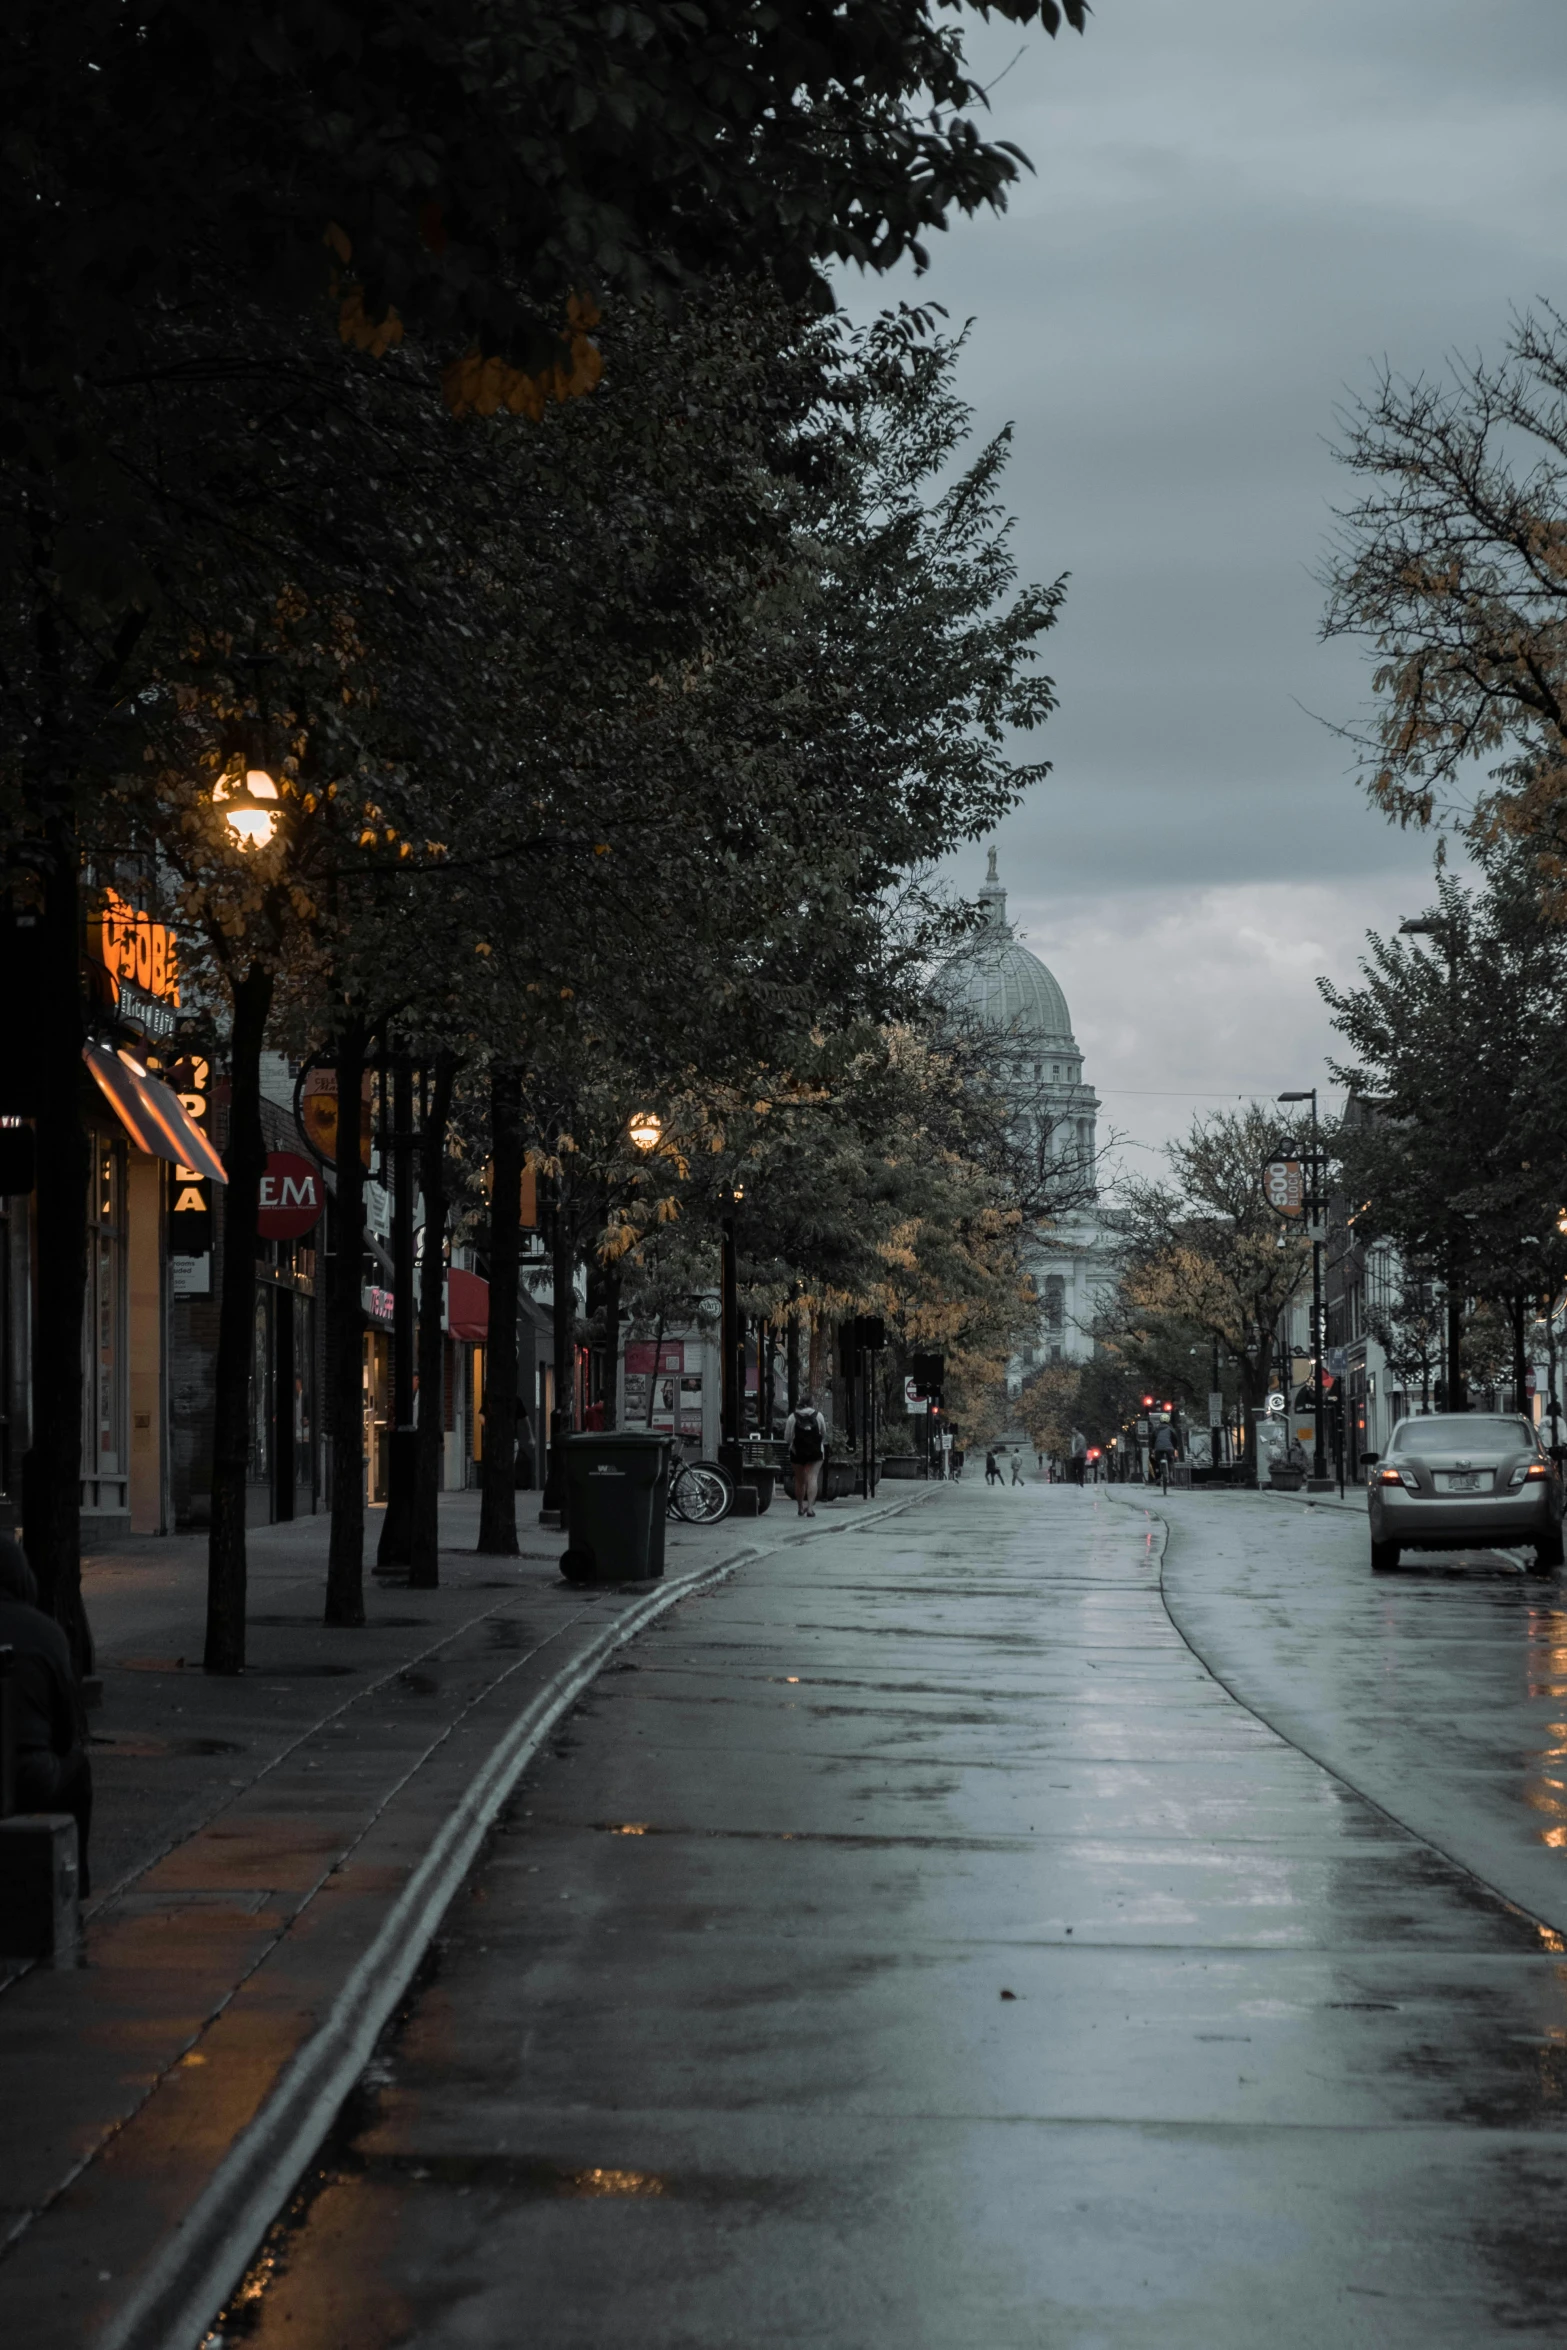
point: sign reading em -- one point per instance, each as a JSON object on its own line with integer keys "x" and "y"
{"x": 290, "y": 1197}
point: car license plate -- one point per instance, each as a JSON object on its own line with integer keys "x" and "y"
{"x": 1464, "y": 1481}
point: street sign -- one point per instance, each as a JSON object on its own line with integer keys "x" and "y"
{"x": 1284, "y": 1186}
{"x": 1216, "y": 1409}
{"x": 291, "y": 1197}
{"x": 913, "y": 1400}
{"x": 1275, "y": 1405}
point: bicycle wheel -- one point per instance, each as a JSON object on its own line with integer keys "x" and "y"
{"x": 704, "y": 1493}
{"x": 679, "y": 1495}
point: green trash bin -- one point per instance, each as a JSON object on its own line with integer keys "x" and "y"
{"x": 617, "y": 1491}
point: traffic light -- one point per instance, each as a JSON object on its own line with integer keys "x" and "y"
{"x": 928, "y": 1373}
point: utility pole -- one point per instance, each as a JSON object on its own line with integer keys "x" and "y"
{"x": 563, "y": 1334}
{"x": 1440, "y": 927}
{"x": 731, "y": 1452}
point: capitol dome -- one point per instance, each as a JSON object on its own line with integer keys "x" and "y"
{"x": 996, "y": 982}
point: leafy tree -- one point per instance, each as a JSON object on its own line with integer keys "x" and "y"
{"x": 1411, "y": 1331}
{"x": 1459, "y": 1057}
{"x": 172, "y": 298}
{"x": 1452, "y": 566}
{"x": 1207, "y": 1252}
{"x": 1050, "y": 1407}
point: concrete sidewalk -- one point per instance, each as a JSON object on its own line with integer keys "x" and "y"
{"x": 274, "y": 1854}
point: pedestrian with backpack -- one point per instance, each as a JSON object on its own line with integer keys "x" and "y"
{"x": 805, "y": 1442}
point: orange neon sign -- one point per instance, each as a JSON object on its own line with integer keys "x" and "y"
{"x": 136, "y": 949}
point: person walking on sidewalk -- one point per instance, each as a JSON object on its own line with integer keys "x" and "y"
{"x": 49, "y": 1726}
{"x": 1017, "y": 1473}
{"x": 805, "y": 1443}
{"x": 1079, "y": 1456}
{"x": 992, "y": 1469}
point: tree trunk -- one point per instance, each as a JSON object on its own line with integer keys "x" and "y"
{"x": 498, "y": 1469}
{"x": 52, "y": 1467}
{"x": 424, "y": 1548}
{"x": 563, "y": 1332}
{"x": 1250, "y": 1386}
{"x": 245, "y": 1158}
{"x": 1517, "y": 1312}
{"x": 1457, "y": 1400}
{"x": 612, "y": 1287}
{"x": 345, "y": 1589}
{"x": 652, "y": 1385}
{"x": 816, "y": 1376}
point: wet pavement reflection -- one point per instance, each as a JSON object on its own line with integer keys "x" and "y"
{"x": 1439, "y": 1690}
{"x": 915, "y": 1943}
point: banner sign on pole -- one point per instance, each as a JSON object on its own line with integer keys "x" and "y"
{"x": 1284, "y": 1186}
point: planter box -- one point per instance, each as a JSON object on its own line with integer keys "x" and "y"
{"x": 902, "y": 1464}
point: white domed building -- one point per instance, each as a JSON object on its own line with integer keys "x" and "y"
{"x": 997, "y": 986}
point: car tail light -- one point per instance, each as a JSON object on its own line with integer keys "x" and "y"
{"x": 1527, "y": 1470}
{"x": 1399, "y": 1477}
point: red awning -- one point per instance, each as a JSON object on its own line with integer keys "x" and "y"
{"x": 467, "y": 1307}
{"x": 151, "y": 1113}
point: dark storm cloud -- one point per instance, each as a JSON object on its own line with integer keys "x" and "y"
{"x": 1238, "y": 210}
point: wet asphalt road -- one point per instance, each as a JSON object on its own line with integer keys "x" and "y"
{"x": 1439, "y": 1689}
{"x": 916, "y": 1945}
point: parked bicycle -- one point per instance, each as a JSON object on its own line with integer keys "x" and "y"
{"x": 700, "y": 1492}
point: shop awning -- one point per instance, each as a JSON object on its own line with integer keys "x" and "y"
{"x": 467, "y": 1307}
{"x": 151, "y": 1113}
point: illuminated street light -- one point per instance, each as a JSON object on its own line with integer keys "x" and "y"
{"x": 645, "y": 1128}
{"x": 250, "y": 803}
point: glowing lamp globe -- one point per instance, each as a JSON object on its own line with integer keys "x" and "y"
{"x": 645, "y": 1127}
{"x": 250, "y": 807}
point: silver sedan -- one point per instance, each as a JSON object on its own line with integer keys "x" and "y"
{"x": 1462, "y": 1481}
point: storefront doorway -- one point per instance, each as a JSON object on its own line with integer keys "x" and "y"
{"x": 285, "y": 1466}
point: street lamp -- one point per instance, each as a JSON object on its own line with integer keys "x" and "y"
{"x": 731, "y": 1338}
{"x": 250, "y": 804}
{"x": 645, "y": 1128}
{"x": 1446, "y": 929}
{"x": 1319, "y": 1456}
{"x": 1430, "y": 926}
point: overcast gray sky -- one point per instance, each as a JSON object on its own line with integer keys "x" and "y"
{"x": 1239, "y": 207}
